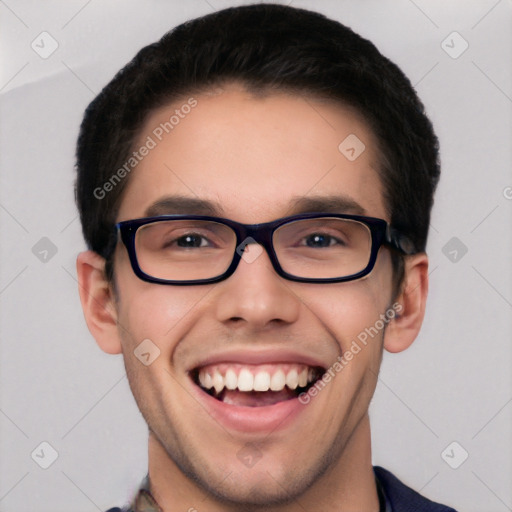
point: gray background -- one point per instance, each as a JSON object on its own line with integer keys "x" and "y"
{"x": 453, "y": 384}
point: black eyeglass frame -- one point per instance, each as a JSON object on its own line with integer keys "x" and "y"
{"x": 382, "y": 233}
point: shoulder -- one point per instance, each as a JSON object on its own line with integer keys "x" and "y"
{"x": 404, "y": 499}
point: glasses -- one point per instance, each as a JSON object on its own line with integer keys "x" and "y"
{"x": 309, "y": 248}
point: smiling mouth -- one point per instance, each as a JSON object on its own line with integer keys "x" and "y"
{"x": 256, "y": 385}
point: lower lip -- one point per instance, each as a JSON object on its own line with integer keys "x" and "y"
{"x": 269, "y": 418}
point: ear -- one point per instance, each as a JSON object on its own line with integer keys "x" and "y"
{"x": 404, "y": 328}
{"x": 98, "y": 302}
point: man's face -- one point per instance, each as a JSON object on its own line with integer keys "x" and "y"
{"x": 253, "y": 159}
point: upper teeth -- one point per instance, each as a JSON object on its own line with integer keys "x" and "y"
{"x": 255, "y": 378}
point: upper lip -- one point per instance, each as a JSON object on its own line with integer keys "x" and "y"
{"x": 260, "y": 356}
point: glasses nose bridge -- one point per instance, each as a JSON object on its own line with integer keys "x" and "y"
{"x": 258, "y": 233}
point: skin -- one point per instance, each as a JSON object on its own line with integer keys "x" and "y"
{"x": 254, "y": 157}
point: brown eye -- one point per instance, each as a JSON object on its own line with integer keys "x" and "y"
{"x": 191, "y": 240}
{"x": 320, "y": 240}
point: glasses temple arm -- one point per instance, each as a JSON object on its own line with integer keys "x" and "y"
{"x": 399, "y": 241}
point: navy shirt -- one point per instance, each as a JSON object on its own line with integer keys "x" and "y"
{"x": 400, "y": 498}
{"x": 394, "y": 496}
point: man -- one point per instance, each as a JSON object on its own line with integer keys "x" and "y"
{"x": 255, "y": 191}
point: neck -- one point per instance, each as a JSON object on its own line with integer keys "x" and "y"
{"x": 347, "y": 485}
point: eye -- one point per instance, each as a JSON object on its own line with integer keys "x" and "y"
{"x": 320, "y": 240}
{"x": 189, "y": 240}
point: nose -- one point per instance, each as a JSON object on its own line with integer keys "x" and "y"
{"x": 255, "y": 297}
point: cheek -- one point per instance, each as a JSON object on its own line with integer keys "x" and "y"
{"x": 154, "y": 319}
{"x": 347, "y": 309}
{"x": 163, "y": 314}
{"x": 351, "y": 313}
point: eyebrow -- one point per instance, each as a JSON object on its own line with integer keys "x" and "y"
{"x": 326, "y": 204}
{"x": 182, "y": 204}
{"x": 298, "y": 204}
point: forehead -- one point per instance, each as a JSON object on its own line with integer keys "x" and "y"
{"x": 254, "y": 159}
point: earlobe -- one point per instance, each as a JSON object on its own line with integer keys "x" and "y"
{"x": 97, "y": 301}
{"x": 404, "y": 328}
